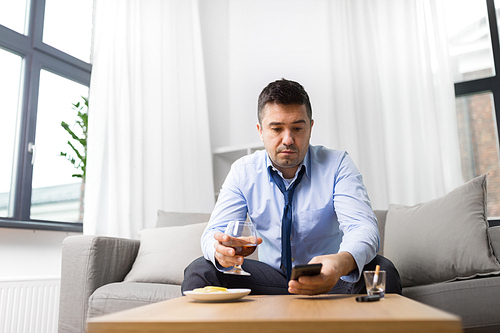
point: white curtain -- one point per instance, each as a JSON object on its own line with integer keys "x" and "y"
{"x": 394, "y": 106}
{"x": 149, "y": 145}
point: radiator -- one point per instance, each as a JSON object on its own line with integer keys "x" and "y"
{"x": 29, "y": 305}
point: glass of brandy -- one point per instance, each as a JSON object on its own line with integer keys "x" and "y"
{"x": 243, "y": 239}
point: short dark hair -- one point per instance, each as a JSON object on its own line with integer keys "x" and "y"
{"x": 284, "y": 92}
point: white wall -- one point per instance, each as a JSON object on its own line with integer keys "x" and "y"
{"x": 30, "y": 253}
{"x": 249, "y": 43}
{"x": 214, "y": 23}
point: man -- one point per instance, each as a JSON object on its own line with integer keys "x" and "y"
{"x": 329, "y": 218}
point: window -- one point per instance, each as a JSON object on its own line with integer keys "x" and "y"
{"x": 66, "y": 24}
{"x": 479, "y": 143}
{"x": 472, "y": 30}
{"x": 469, "y": 36}
{"x": 13, "y": 15}
{"x": 55, "y": 193}
{"x": 45, "y": 65}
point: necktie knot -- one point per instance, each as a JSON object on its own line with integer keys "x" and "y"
{"x": 288, "y": 195}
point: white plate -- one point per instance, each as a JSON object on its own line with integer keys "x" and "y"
{"x": 219, "y": 296}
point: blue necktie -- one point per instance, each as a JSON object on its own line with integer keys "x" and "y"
{"x": 286, "y": 226}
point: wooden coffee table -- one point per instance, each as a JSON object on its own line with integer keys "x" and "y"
{"x": 290, "y": 314}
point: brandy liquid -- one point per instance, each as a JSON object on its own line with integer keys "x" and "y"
{"x": 243, "y": 250}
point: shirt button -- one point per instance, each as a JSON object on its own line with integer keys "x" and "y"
{"x": 293, "y": 259}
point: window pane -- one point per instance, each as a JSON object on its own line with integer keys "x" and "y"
{"x": 469, "y": 39}
{"x": 56, "y": 194}
{"x": 68, "y": 26}
{"x": 10, "y": 80}
{"x": 13, "y": 15}
{"x": 479, "y": 144}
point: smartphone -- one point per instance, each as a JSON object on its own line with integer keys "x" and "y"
{"x": 367, "y": 298}
{"x": 301, "y": 270}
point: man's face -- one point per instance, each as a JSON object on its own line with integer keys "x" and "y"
{"x": 285, "y": 132}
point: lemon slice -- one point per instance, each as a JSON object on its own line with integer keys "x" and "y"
{"x": 210, "y": 289}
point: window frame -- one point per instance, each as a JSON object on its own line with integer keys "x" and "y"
{"x": 489, "y": 84}
{"x": 36, "y": 56}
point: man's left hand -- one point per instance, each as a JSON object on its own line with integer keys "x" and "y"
{"x": 334, "y": 266}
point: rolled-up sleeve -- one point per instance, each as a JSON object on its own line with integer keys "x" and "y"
{"x": 231, "y": 205}
{"x": 355, "y": 216}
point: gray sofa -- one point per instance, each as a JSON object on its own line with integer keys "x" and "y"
{"x": 94, "y": 267}
{"x": 445, "y": 252}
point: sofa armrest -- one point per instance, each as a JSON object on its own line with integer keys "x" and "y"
{"x": 89, "y": 262}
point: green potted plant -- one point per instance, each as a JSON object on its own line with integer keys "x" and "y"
{"x": 78, "y": 145}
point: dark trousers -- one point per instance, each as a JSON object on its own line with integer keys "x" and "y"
{"x": 265, "y": 280}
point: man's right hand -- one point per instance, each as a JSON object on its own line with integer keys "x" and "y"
{"x": 226, "y": 255}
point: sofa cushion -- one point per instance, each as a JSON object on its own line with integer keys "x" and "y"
{"x": 494, "y": 233}
{"x": 173, "y": 219}
{"x": 443, "y": 239}
{"x": 381, "y": 217}
{"x": 165, "y": 252}
{"x": 121, "y": 296}
{"x": 474, "y": 300}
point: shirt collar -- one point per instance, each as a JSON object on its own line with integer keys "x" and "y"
{"x": 306, "y": 161}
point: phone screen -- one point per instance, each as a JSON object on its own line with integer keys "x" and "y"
{"x": 309, "y": 270}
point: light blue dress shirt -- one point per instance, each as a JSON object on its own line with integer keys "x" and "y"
{"x": 331, "y": 209}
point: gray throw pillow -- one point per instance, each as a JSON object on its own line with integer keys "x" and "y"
{"x": 443, "y": 239}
